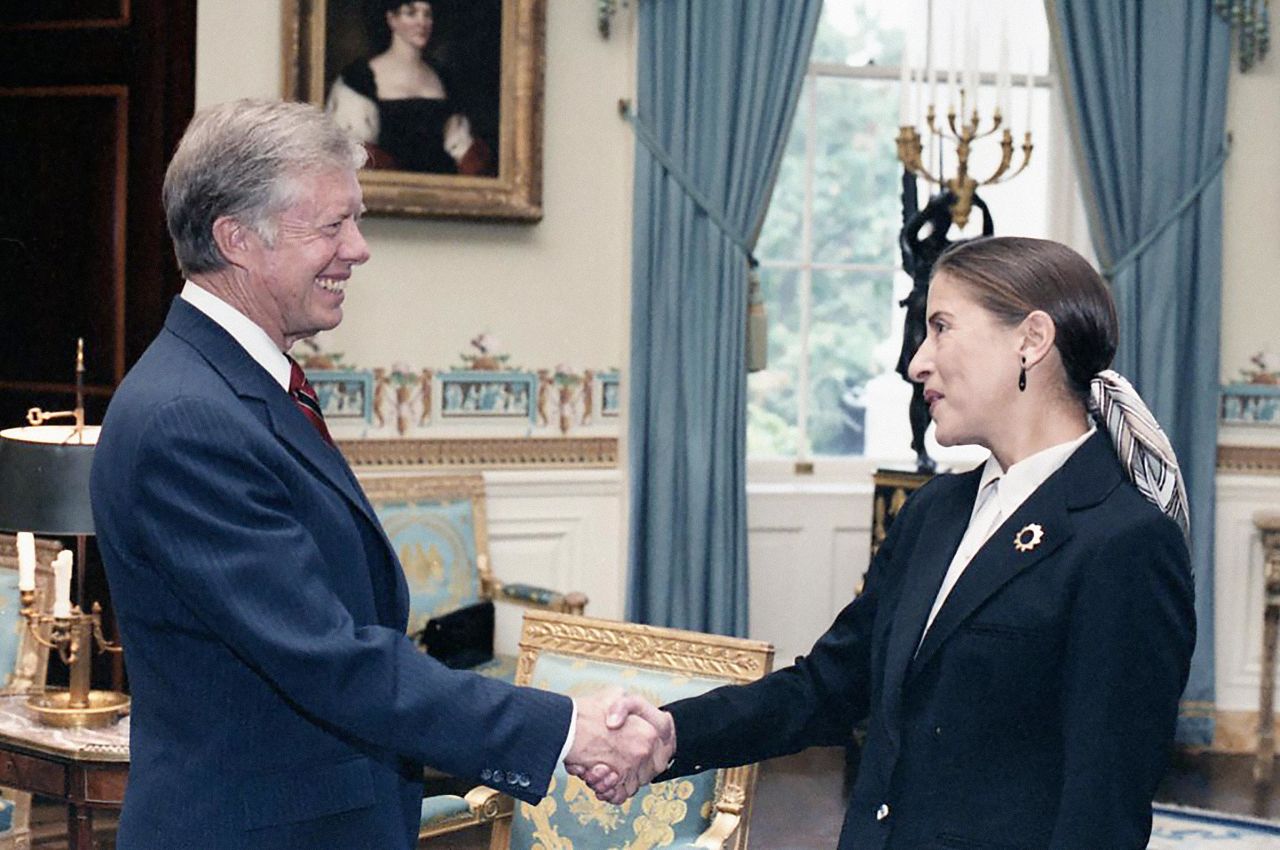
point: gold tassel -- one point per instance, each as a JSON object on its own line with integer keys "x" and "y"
{"x": 757, "y": 324}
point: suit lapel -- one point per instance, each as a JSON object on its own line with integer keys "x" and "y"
{"x": 929, "y": 562}
{"x": 249, "y": 380}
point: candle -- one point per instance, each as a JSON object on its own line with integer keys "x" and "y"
{"x": 62, "y": 584}
{"x": 1031, "y": 88}
{"x": 904, "y": 85}
{"x": 1002, "y": 78}
{"x": 26, "y": 561}
{"x": 932, "y": 75}
{"x": 971, "y": 77}
{"x": 953, "y": 66}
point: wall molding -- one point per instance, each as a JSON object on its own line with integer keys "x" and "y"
{"x": 484, "y": 452}
{"x": 1253, "y": 460}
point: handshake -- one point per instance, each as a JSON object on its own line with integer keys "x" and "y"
{"x": 621, "y": 742}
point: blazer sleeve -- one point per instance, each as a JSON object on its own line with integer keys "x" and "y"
{"x": 220, "y": 531}
{"x": 814, "y": 702}
{"x": 1127, "y": 657}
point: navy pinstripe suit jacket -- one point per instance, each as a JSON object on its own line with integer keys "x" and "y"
{"x": 276, "y": 700}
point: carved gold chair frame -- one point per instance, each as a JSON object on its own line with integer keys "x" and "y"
{"x": 731, "y": 660}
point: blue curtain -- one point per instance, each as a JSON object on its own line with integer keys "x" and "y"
{"x": 1146, "y": 87}
{"x": 717, "y": 88}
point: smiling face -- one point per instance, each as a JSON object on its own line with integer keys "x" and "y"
{"x": 968, "y": 363}
{"x": 411, "y": 23}
{"x": 297, "y": 284}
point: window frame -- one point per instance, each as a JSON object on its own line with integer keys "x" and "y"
{"x": 1067, "y": 223}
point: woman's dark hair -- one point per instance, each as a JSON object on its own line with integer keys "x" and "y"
{"x": 1012, "y": 276}
{"x": 443, "y": 13}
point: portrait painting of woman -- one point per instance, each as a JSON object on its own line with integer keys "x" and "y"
{"x": 422, "y": 92}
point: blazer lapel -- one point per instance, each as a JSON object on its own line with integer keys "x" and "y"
{"x": 999, "y": 561}
{"x": 929, "y": 561}
{"x": 1087, "y": 477}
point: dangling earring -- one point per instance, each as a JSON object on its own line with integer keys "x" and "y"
{"x": 1022, "y": 376}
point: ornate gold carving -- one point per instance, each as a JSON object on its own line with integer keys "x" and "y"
{"x": 1253, "y": 460}
{"x": 487, "y": 452}
{"x": 631, "y": 643}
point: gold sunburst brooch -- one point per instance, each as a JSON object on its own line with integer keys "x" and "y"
{"x": 1029, "y": 537}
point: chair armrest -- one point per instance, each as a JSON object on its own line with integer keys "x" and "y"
{"x": 542, "y": 597}
{"x": 445, "y": 813}
{"x": 728, "y": 817}
{"x": 488, "y": 804}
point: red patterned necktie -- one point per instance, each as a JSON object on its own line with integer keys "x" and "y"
{"x": 303, "y": 395}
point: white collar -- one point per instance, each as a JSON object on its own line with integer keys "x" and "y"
{"x": 1024, "y": 477}
{"x": 252, "y": 338}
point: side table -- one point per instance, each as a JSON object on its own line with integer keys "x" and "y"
{"x": 86, "y": 768}
{"x": 1268, "y": 524}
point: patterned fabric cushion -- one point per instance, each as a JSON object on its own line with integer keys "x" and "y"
{"x": 442, "y": 808}
{"x": 11, "y": 625}
{"x": 6, "y": 815}
{"x": 666, "y": 815}
{"x": 436, "y": 542}
{"x": 500, "y": 667}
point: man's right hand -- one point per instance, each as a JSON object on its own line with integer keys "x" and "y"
{"x": 647, "y": 734}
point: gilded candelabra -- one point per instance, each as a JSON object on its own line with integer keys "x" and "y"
{"x": 44, "y": 487}
{"x": 964, "y": 132}
{"x": 71, "y": 633}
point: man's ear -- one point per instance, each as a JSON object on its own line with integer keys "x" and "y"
{"x": 1038, "y": 335}
{"x": 234, "y": 239}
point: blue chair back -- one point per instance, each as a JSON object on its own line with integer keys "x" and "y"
{"x": 437, "y": 526}
{"x": 577, "y": 656}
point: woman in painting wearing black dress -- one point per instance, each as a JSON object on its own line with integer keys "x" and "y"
{"x": 403, "y": 107}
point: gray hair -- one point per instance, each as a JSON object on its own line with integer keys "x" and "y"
{"x": 242, "y": 159}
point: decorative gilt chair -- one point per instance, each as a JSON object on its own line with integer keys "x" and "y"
{"x": 26, "y": 663}
{"x": 578, "y": 655}
{"x": 438, "y": 526}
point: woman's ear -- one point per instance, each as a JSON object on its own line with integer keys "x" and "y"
{"x": 1038, "y": 335}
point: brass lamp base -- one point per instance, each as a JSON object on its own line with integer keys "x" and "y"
{"x": 53, "y": 708}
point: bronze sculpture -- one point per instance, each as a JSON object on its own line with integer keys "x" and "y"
{"x": 918, "y": 256}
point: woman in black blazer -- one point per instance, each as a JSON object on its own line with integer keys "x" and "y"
{"x": 1026, "y": 629}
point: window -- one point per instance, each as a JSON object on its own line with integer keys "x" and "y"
{"x": 830, "y": 265}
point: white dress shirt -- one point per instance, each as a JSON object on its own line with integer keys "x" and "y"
{"x": 1000, "y": 493}
{"x": 252, "y": 338}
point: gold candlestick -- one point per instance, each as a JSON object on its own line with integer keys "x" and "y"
{"x": 73, "y": 636}
{"x": 964, "y": 133}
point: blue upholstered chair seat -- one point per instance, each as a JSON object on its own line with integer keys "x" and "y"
{"x": 443, "y": 809}
{"x": 6, "y": 815}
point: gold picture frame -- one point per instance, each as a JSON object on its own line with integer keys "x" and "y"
{"x": 322, "y": 38}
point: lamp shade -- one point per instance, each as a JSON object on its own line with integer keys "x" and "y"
{"x": 44, "y": 479}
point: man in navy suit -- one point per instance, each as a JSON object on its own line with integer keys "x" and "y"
{"x": 276, "y": 700}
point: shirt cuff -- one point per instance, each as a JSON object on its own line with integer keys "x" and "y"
{"x": 568, "y": 740}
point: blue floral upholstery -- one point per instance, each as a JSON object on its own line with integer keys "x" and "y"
{"x": 436, "y": 543}
{"x": 668, "y": 814}
{"x": 23, "y": 664}
{"x": 12, "y": 626}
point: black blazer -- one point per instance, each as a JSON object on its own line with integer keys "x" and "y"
{"x": 1039, "y": 710}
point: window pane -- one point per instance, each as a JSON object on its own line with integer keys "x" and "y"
{"x": 856, "y": 183}
{"x": 780, "y": 238}
{"x": 866, "y": 32}
{"x": 851, "y": 322}
{"x": 771, "y": 394}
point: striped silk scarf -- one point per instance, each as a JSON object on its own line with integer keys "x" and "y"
{"x": 1141, "y": 445}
